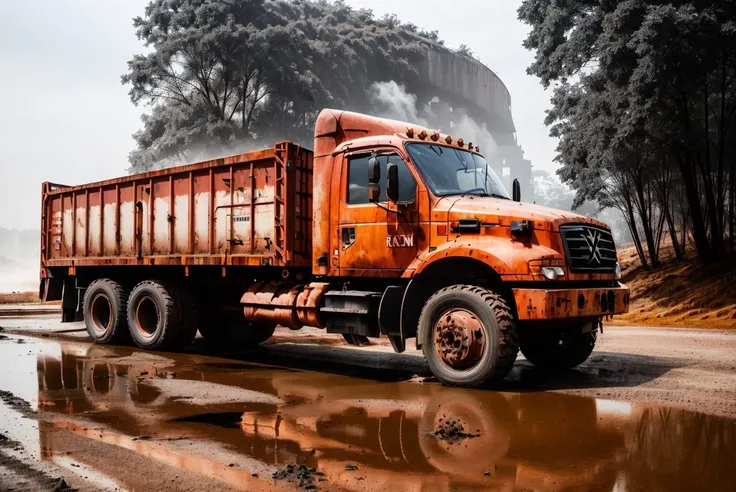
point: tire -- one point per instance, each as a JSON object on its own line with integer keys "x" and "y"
{"x": 483, "y": 317}
{"x": 356, "y": 340}
{"x": 161, "y": 317}
{"x": 105, "y": 312}
{"x": 564, "y": 351}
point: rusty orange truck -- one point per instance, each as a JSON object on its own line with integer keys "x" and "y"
{"x": 386, "y": 229}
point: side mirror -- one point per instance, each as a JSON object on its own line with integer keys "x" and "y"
{"x": 374, "y": 171}
{"x": 392, "y": 182}
{"x": 516, "y": 193}
{"x": 374, "y": 192}
{"x": 374, "y": 178}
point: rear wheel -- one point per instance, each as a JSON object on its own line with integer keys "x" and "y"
{"x": 468, "y": 335}
{"x": 105, "y": 312}
{"x": 565, "y": 350}
{"x": 161, "y": 317}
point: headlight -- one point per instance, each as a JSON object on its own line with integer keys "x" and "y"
{"x": 551, "y": 273}
{"x": 617, "y": 271}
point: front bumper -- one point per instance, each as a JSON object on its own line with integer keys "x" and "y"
{"x": 541, "y": 304}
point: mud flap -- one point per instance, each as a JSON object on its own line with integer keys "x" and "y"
{"x": 51, "y": 289}
{"x": 71, "y": 302}
{"x": 389, "y": 311}
{"x": 416, "y": 295}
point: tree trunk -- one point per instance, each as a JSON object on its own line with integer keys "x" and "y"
{"x": 700, "y": 236}
{"x": 631, "y": 222}
{"x": 645, "y": 216}
{"x": 673, "y": 233}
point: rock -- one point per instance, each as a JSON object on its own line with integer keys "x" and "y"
{"x": 452, "y": 431}
{"x": 301, "y": 474}
{"x": 62, "y": 486}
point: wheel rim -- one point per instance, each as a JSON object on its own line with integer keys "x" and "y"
{"x": 459, "y": 338}
{"x": 101, "y": 314}
{"x": 146, "y": 317}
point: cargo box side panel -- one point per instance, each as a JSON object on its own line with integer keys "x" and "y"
{"x": 67, "y": 220}
{"x": 109, "y": 224}
{"x": 251, "y": 209}
{"x": 201, "y": 221}
{"x": 182, "y": 213}
{"x": 303, "y": 208}
{"x": 55, "y": 227}
{"x": 94, "y": 223}
{"x": 222, "y": 181}
{"x": 263, "y": 209}
{"x": 80, "y": 224}
{"x": 240, "y": 219}
{"x": 127, "y": 220}
{"x": 160, "y": 198}
{"x": 142, "y": 220}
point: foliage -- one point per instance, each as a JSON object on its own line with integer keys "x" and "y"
{"x": 230, "y": 75}
{"x": 644, "y": 102}
{"x": 465, "y": 50}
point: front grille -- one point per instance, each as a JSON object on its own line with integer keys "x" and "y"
{"x": 588, "y": 248}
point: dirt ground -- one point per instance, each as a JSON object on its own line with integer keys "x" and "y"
{"x": 19, "y": 298}
{"x": 685, "y": 293}
{"x": 305, "y": 410}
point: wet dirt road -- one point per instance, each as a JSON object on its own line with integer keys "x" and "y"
{"x": 116, "y": 417}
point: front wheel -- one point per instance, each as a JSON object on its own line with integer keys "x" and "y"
{"x": 468, "y": 335}
{"x": 565, "y": 350}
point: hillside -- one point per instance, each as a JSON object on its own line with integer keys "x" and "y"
{"x": 684, "y": 293}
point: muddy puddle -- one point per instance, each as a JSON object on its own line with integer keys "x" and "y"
{"x": 147, "y": 421}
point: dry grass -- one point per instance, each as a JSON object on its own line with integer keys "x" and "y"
{"x": 684, "y": 293}
{"x": 19, "y": 298}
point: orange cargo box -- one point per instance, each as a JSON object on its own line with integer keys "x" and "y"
{"x": 248, "y": 209}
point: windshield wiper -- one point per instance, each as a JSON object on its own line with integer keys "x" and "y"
{"x": 485, "y": 194}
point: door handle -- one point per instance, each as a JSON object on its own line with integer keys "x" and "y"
{"x": 348, "y": 237}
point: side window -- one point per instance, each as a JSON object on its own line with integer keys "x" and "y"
{"x": 358, "y": 179}
{"x": 407, "y": 185}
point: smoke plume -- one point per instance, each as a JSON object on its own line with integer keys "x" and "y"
{"x": 391, "y": 100}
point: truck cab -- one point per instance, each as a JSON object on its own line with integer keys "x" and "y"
{"x": 398, "y": 203}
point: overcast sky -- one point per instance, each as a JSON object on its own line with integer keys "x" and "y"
{"x": 66, "y": 118}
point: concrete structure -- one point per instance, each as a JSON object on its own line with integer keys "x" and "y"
{"x": 455, "y": 85}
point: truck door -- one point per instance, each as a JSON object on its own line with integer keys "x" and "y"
{"x": 374, "y": 239}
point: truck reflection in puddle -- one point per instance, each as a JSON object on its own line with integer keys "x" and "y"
{"x": 542, "y": 441}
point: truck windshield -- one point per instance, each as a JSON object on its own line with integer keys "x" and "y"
{"x": 450, "y": 171}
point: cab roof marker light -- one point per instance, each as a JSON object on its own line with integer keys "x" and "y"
{"x": 410, "y": 132}
{"x": 423, "y": 135}
{"x": 460, "y": 142}
{"x": 448, "y": 139}
{"x": 435, "y": 136}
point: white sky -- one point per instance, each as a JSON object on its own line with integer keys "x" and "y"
{"x": 66, "y": 118}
